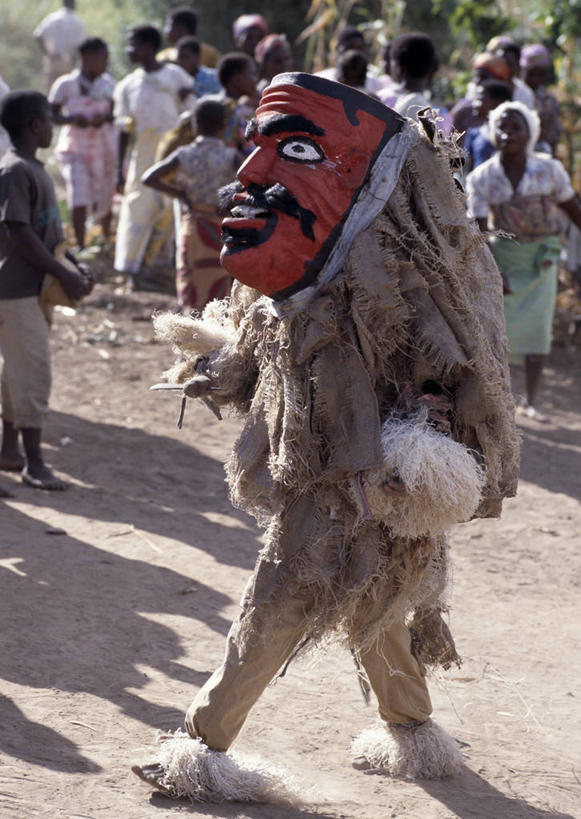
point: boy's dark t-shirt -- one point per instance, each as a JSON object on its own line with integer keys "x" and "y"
{"x": 26, "y": 195}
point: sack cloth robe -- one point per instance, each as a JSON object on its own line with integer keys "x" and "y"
{"x": 417, "y": 302}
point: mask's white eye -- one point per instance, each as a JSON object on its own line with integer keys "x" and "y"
{"x": 300, "y": 149}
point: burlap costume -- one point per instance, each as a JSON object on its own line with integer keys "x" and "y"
{"x": 413, "y": 309}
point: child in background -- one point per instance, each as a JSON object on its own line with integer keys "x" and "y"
{"x": 30, "y": 229}
{"x": 238, "y": 76}
{"x": 478, "y": 141}
{"x": 82, "y": 102}
{"x": 188, "y": 57}
{"x": 352, "y": 69}
{"x": 193, "y": 174}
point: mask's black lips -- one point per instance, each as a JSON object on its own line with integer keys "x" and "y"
{"x": 237, "y": 239}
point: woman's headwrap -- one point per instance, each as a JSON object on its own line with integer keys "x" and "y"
{"x": 495, "y": 65}
{"x": 500, "y": 42}
{"x": 266, "y": 45}
{"x": 530, "y": 117}
{"x": 535, "y": 56}
{"x": 246, "y": 21}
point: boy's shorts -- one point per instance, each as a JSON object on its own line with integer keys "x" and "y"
{"x": 26, "y": 375}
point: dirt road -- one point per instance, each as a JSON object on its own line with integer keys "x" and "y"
{"x": 115, "y": 597}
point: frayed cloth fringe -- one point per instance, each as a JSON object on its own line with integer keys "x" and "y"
{"x": 424, "y": 751}
{"x": 194, "y": 771}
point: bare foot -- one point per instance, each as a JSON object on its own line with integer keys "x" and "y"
{"x": 41, "y": 477}
{"x": 154, "y": 775}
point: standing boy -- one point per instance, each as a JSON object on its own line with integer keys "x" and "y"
{"x": 183, "y": 22}
{"x": 188, "y": 57}
{"x": 147, "y": 104}
{"x": 478, "y": 140}
{"x": 82, "y": 102}
{"x": 30, "y": 228}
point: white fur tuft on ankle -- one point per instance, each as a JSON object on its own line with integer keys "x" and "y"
{"x": 190, "y": 769}
{"x": 415, "y": 751}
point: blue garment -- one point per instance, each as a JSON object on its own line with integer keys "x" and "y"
{"x": 206, "y": 81}
{"x": 478, "y": 147}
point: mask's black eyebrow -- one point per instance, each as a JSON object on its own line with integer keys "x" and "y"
{"x": 286, "y": 122}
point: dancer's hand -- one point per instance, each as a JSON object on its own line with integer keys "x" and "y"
{"x": 198, "y": 386}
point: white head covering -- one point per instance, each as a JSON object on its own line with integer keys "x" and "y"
{"x": 530, "y": 117}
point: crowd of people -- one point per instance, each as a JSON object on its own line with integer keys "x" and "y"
{"x": 162, "y": 140}
{"x": 364, "y": 341}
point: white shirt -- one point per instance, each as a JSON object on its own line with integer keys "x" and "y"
{"x": 150, "y": 99}
{"x": 74, "y": 85}
{"x": 78, "y": 95}
{"x": 62, "y": 32}
{"x": 522, "y": 93}
{"x": 409, "y": 104}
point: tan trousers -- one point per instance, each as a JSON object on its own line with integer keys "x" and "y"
{"x": 272, "y": 630}
{"x": 26, "y": 375}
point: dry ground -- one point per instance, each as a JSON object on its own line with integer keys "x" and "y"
{"x": 116, "y": 596}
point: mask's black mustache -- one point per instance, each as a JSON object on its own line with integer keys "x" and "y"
{"x": 277, "y": 197}
{"x": 225, "y": 196}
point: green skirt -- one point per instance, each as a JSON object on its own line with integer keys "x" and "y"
{"x": 531, "y": 270}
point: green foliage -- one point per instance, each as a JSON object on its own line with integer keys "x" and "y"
{"x": 20, "y": 55}
{"x": 480, "y": 19}
{"x": 562, "y": 19}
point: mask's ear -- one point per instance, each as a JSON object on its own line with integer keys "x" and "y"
{"x": 354, "y": 168}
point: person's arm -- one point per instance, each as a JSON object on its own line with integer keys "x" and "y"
{"x": 572, "y": 208}
{"x": 185, "y": 92}
{"x": 66, "y": 119}
{"x": 155, "y": 178}
{"x": 103, "y": 119}
{"x": 28, "y": 245}
{"x": 40, "y": 40}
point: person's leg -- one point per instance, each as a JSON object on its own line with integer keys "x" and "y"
{"x": 260, "y": 641}
{"x": 79, "y": 220}
{"x": 406, "y": 743}
{"x": 11, "y": 458}
{"x": 105, "y": 222}
{"x": 37, "y": 473}
{"x": 24, "y": 340}
{"x": 534, "y": 365}
{"x": 396, "y": 678}
{"x": 76, "y": 176}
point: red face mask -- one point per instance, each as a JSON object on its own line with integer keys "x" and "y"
{"x": 315, "y": 143}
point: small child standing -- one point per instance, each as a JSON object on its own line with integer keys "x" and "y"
{"x": 205, "y": 80}
{"x": 478, "y": 141}
{"x": 193, "y": 174}
{"x": 30, "y": 229}
{"x": 82, "y": 102}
